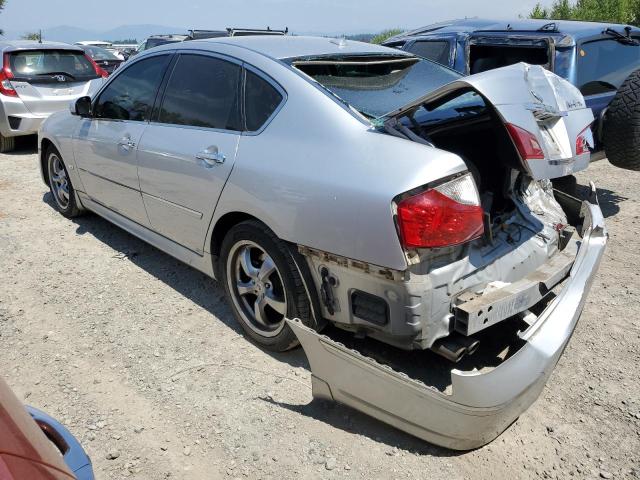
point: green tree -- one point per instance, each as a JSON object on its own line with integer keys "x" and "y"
{"x": 385, "y": 35}
{"x": 32, "y": 36}
{"x": 615, "y": 11}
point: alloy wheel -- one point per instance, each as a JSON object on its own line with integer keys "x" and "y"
{"x": 59, "y": 181}
{"x": 257, "y": 288}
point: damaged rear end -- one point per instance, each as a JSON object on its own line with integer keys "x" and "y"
{"x": 498, "y": 263}
{"x": 472, "y": 406}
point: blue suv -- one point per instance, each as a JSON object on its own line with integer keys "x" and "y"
{"x": 600, "y": 59}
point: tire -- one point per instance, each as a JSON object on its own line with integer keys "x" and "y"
{"x": 621, "y": 126}
{"x": 60, "y": 186}
{"x": 7, "y": 144}
{"x": 244, "y": 257}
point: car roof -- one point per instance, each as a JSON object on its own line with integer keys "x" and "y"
{"x": 289, "y": 46}
{"x": 12, "y": 45}
{"x": 470, "y": 25}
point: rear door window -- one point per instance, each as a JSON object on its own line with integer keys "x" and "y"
{"x": 203, "y": 91}
{"x": 435, "y": 50}
{"x": 43, "y": 65}
{"x": 604, "y": 64}
{"x": 131, "y": 94}
{"x": 261, "y": 100}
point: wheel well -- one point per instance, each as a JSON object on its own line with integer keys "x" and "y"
{"x": 223, "y": 225}
{"x": 44, "y": 148}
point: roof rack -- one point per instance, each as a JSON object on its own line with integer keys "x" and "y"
{"x": 237, "y": 32}
{"x": 200, "y": 34}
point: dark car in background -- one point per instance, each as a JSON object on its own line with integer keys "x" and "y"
{"x": 600, "y": 59}
{"x": 157, "y": 40}
{"x": 105, "y": 59}
{"x": 34, "y": 446}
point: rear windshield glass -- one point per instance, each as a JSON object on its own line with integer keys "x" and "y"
{"x": 100, "y": 54}
{"x": 488, "y": 57}
{"x": 35, "y": 63}
{"x": 604, "y": 64}
{"x": 377, "y": 85}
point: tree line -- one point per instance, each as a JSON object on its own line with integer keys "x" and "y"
{"x": 614, "y": 11}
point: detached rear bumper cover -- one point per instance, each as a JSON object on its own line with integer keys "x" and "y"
{"x": 481, "y": 405}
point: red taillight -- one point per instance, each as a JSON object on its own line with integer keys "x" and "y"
{"x": 526, "y": 142}
{"x": 99, "y": 71}
{"x": 582, "y": 142}
{"x": 449, "y": 214}
{"x": 5, "y": 78}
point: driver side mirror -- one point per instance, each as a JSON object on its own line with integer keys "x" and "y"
{"x": 82, "y": 107}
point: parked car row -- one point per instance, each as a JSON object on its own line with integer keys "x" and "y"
{"x": 331, "y": 181}
{"x": 157, "y": 40}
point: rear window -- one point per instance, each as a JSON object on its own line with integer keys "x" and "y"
{"x": 43, "y": 63}
{"x": 261, "y": 100}
{"x": 488, "y": 57}
{"x": 100, "y": 54}
{"x": 604, "y": 64}
{"x": 377, "y": 85}
{"x": 438, "y": 51}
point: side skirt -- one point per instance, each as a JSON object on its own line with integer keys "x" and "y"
{"x": 202, "y": 263}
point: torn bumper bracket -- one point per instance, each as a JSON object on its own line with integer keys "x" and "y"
{"x": 481, "y": 404}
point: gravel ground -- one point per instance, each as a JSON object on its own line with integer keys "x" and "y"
{"x": 140, "y": 357}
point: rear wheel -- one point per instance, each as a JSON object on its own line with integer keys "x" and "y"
{"x": 621, "y": 128}
{"x": 7, "y": 144}
{"x": 263, "y": 285}
{"x": 60, "y": 185}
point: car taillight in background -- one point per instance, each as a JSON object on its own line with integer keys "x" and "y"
{"x": 99, "y": 71}
{"x": 5, "y": 78}
{"x": 446, "y": 215}
{"x": 526, "y": 142}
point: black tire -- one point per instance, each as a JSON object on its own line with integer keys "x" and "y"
{"x": 621, "y": 126}
{"x": 254, "y": 236}
{"x": 67, "y": 204}
{"x": 7, "y": 144}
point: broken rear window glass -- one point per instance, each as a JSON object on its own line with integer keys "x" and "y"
{"x": 376, "y": 85}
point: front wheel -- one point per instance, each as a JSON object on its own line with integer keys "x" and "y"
{"x": 60, "y": 185}
{"x": 263, "y": 285}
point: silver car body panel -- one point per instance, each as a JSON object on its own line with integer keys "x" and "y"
{"x": 481, "y": 404}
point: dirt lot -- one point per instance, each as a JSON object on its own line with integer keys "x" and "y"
{"x": 140, "y": 357}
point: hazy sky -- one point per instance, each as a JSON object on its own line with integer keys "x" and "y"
{"x": 299, "y": 15}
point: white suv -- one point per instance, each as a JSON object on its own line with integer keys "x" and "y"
{"x": 38, "y": 79}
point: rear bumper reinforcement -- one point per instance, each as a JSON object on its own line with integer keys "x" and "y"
{"x": 481, "y": 405}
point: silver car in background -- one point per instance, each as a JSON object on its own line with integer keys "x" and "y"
{"x": 38, "y": 79}
{"x": 335, "y": 181}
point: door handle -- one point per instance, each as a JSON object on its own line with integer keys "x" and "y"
{"x": 211, "y": 157}
{"x": 126, "y": 143}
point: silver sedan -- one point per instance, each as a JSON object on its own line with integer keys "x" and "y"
{"x": 340, "y": 182}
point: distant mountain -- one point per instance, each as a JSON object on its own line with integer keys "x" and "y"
{"x": 70, "y": 34}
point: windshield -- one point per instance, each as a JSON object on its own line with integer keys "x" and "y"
{"x": 100, "y": 54}
{"x": 376, "y": 85}
{"x": 32, "y": 63}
